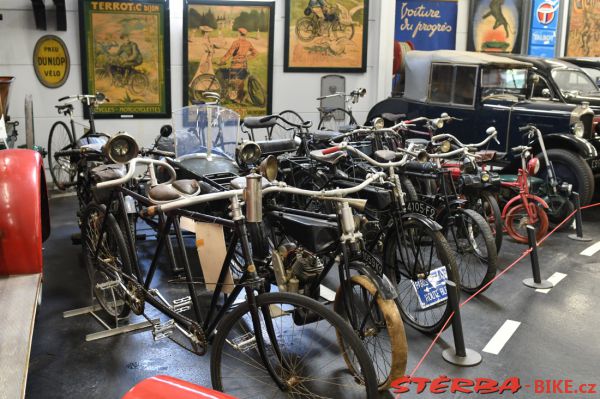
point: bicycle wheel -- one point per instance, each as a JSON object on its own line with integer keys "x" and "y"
{"x": 203, "y": 83}
{"x": 379, "y": 325}
{"x": 256, "y": 92}
{"x": 336, "y": 120}
{"x": 279, "y": 133}
{"x": 517, "y": 220}
{"x": 60, "y": 139}
{"x": 487, "y": 206}
{"x": 139, "y": 83}
{"x": 113, "y": 258}
{"x": 343, "y": 31}
{"x": 471, "y": 239}
{"x": 298, "y": 335}
{"x": 306, "y": 29}
{"x": 412, "y": 252}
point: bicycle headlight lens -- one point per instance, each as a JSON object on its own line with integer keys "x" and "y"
{"x": 422, "y": 156}
{"x": 445, "y": 146}
{"x": 533, "y": 166}
{"x": 378, "y": 123}
{"x": 485, "y": 177}
{"x": 439, "y": 123}
{"x": 249, "y": 152}
{"x": 121, "y": 148}
{"x": 269, "y": 167}
{"x": 578, "y": 129}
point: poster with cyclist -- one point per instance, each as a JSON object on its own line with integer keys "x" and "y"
{"x": 228, "y": 49}
{"x": 326, "y": 35}
{"x": 125, "y": 55}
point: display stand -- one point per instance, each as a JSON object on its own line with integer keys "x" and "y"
{"x": 108, "y": 330}
{"x": 578, "y": 236}
{"x": 535, "y": 282}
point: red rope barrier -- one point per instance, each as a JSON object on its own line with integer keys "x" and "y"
{"x": 523, "y": 255}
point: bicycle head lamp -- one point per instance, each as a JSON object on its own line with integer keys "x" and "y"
{"x": 445, "y": 146}
{"x": 533, "y": 166}
{"x": 438, "y": 123}
{"x": 121, "y": 148}
{"x": 422, "y": 156}
{"x": 378, "y": 123}
{"x": 269, "y": 168}
{"x": 248, "y": 153}
{"x": 100, "y": 98}
{"x": 485, "y": 177}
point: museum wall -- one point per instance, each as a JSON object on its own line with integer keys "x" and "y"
{"x": 291, "y": 90}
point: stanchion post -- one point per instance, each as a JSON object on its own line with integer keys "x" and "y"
{"x": 536, "y": 281}
{"x": 578, "y": 221}
{"x": 459, "y": 355}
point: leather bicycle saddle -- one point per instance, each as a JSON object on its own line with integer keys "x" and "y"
{"x": 172, "y": 191}
{"x": 331, "y": 159}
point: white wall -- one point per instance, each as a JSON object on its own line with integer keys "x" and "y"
{"x": 291, "y": 90}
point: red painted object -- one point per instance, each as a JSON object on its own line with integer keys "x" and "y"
{"x": 24, "y": 217}
{"x": 165, "y": 387}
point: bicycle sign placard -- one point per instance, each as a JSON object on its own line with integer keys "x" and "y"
{"x": 432, "y": 290}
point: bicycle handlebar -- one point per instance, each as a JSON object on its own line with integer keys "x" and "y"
{"x": 491, "y": 132}
{"x": 131, "y": 171}
{"x": 303, "y": 125}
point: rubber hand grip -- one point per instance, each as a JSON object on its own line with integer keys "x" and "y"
{"x": 330, "y": 150}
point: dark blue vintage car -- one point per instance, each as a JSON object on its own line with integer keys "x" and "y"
{"x": 485, "y": 90}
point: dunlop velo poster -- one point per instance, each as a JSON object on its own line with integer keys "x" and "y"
{"x": 428, "y": 25}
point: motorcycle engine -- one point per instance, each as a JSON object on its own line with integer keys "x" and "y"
{"x": 295, "y": 268}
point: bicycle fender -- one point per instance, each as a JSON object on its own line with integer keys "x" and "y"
{"x": 531, "y": 197}
{"x": 384, "y": 286}
{"x": 431, "y": 224}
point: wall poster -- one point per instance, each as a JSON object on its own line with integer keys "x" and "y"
{"x": 428, "y": 25}
{"x": 544, "y": 23}
{"x": 495, "y": 26}
{"x": 125, "y": 55}
{"x": 228, "y": 49}
{"x": 326, "y": 35}
{"x": 583, "y": 29}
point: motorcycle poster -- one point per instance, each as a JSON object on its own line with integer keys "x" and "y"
{"x": 495, "y": 26}
{"x": 125, "y": 55}
{"x": 326, "y": 35}
{"x": 228, "y": 49}
{"x": 583, "y": 29}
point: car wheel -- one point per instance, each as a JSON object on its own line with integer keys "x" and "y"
{"x": 572, "y": 168}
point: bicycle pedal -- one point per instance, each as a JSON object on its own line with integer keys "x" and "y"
{"x": 163, "y": 330}
{"x": 182, "y": 304}
{"x": 244, "y": 342}
{"x": 108, "y": 285}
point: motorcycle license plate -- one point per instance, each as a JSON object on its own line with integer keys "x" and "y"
{"x": 420, "y": 207}
{"x": 432, "y": 290}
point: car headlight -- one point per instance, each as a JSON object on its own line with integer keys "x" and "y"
{"x": 248, "y": 152}
{"x": 578, "y": 129}
{"x": 121, "y": 148}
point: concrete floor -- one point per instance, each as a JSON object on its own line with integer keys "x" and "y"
{"x": 557, "y": 338}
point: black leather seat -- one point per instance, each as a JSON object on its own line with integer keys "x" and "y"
{"x": 108, "y": 172}
{"x": 325, "y": 135}
{"x": 259, "y": 122}
{"x": 331, "y": 159}
{"x": 277, "y": 146}
{"x": 239, "y": 183}
{"x": 419, "y": 167}
{"x": 385, "y": 155}
{"x": 388, "y": 116}
{"x": 63, "y": 108}
{"x": 177, "y": 189}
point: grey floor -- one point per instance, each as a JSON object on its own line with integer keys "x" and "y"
{"x": 557, "y": 339}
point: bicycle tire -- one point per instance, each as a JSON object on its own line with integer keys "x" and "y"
{"x": 279, "y": 133}
{"x": 469, "y": 253}
{"x": 116, "y": 249}
{"x": 256, "y": 92}
{"x": 403, "y": 280}
{"x": 58, "y": 143}
{"x": 492, "y": 214}
{"x": 541, "y": 224}
{"x": 209, "y": 83}
{"x": 409, "y": 189}
{"x": 328, "y": 121}
{"x": 245, "y": 354}
{"x": 393, "y": 325}
{"x": 306, "y": 23}
{"x": 139, "y": 83}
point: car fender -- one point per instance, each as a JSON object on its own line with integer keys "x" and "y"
{"x": 568, "y": 141}
{"x": 24, "y": 219}
{"x": 165, "y": 387}
{"x": 530, "y": 197}
{"x": 384, "y": 286}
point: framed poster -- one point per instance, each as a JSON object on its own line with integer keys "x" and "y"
{"x": 544, "y": 24}
{"x": 495, "y": 26}
{"x": 427, "y": 24}
{"x": 125, "y": 55}
{"x": 228, "y": 49}
{"x": 583, "y": 29}
{"x": 326, "y": 35}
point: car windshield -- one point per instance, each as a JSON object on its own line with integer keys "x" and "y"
{"x": 503, "y": 81}
{"x": 573, "y": 82}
